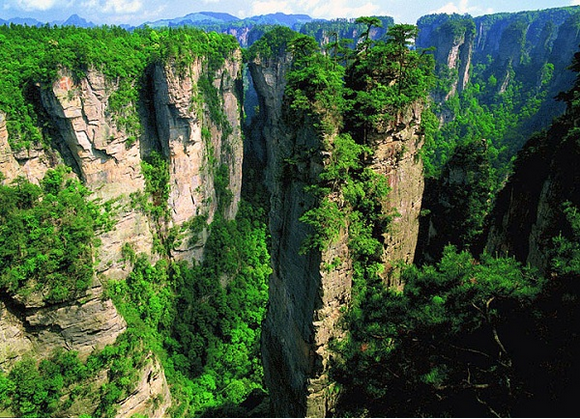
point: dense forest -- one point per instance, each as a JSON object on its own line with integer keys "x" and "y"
{"x": 482, "y": 319}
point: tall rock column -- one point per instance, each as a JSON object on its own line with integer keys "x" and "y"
{"x": 309, "y": 291}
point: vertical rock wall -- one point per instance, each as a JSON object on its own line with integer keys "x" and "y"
{"x": 306, "y": 295}
{"x": 397, "y": 157}
{"x": 529, "y": 210}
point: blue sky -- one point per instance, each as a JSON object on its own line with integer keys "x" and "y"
{"x": 138, "y": 11}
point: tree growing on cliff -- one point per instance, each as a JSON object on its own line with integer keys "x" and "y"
{"x": 442, "y": 346}
{"x": 384, "y": 80}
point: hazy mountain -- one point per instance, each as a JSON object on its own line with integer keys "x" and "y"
{"x": 76, "y": 20}
{"x": 281, "y": 19}
{"x": 195, "y": 19}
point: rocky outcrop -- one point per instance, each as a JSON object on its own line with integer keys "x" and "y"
{"x": 308, "y": 292}
{"x": 193, "y": 159}
{"x": 88, "y": 324}
{"x": 151, "y": 397}
{"x": 453, "y": 41}
{"x": 103, "y": 157}
{"x": 33, "y": 327}
{"x": 288, "y": 341}
{"x": 30, "y": 163}
{"x": 529, "y": 210}
{"x": 396, "y": 156}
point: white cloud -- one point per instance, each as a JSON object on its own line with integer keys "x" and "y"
{"x": 270, "y": 6}
{"x": 575, "y": 3}
{"x": 315, "y": 8}
{"x": 122, "y": 6}
{"x": 343, "y": 8}
{"x": 30, "y": 5}
{"x": 463, "y": 7}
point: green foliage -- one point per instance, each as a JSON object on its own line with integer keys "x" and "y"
{"x": 47, "y": 236}
{"x": 440, "y": 339}
{"x": 384, "y": 79}
{"x": 221, "y": 185}
{"x": 203, "y": 322}
{"x": 566, "y": 253}
{"x": 155, "y": 169}
{"x": 271, "y": 44}
{"x": 314, "y": 86}
{"x": 328, "y": 221}
{"x": 51, "y": 387}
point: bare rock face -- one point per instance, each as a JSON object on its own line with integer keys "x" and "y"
{"x": 453, "y": 50}
{"x": 31, "y": 163}
{"x": 32, "y": 326}
{"x": 89, "y": 323}
{"x": 181, "y": 118}
{"x": 13, "y": 334}
{"x": 106, "y": 160}
{"x": 397, "y": 157}
{"x": 151, "y": 396}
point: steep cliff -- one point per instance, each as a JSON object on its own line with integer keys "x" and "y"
{"x": 396, "y": 156}
{"x": 92, "y": 137}
{"x": 288, "y": 342}
{"x": 311, "y": 285}
{"x": 526, "y": 51}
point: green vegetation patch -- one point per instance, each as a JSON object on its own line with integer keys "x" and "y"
{"x": 47, "y": 236}
{"x": 203, "y": 322}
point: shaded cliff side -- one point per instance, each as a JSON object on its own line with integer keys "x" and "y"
{"x": 498, "y": 76}
{"x": 529, "y": 211}
{"x": 89, "y": 135}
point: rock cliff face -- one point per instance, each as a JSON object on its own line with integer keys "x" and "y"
{"x": 507, "y": 45}
{"x": 288, "y": 346}
{"x": 193, "y": 158}
{"x": 306, "y": 296}
{"x": 396, "y": 156}
{"x": 151, "y": 396}
{"x": 108, "y": 159}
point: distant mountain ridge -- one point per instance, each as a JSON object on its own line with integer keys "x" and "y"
{"x": 199, "y": 19}
{"x": 73, "y": 20}
{"x": 204, "y": 19}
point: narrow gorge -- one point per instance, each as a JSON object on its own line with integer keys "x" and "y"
{"x": 300, "y": 228}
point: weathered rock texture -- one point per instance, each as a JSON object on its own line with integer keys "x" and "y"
{"x": 102, "y": 158}
{"x": 307, "y": 292}
{"x": 288, "y": 341}
{"x": 31, "y": 163}
{"x": 180, "y": 120}
{"x": 151, "y": 396}
{"x": 108, "y": 159}
{"x": 396, "y": 156}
